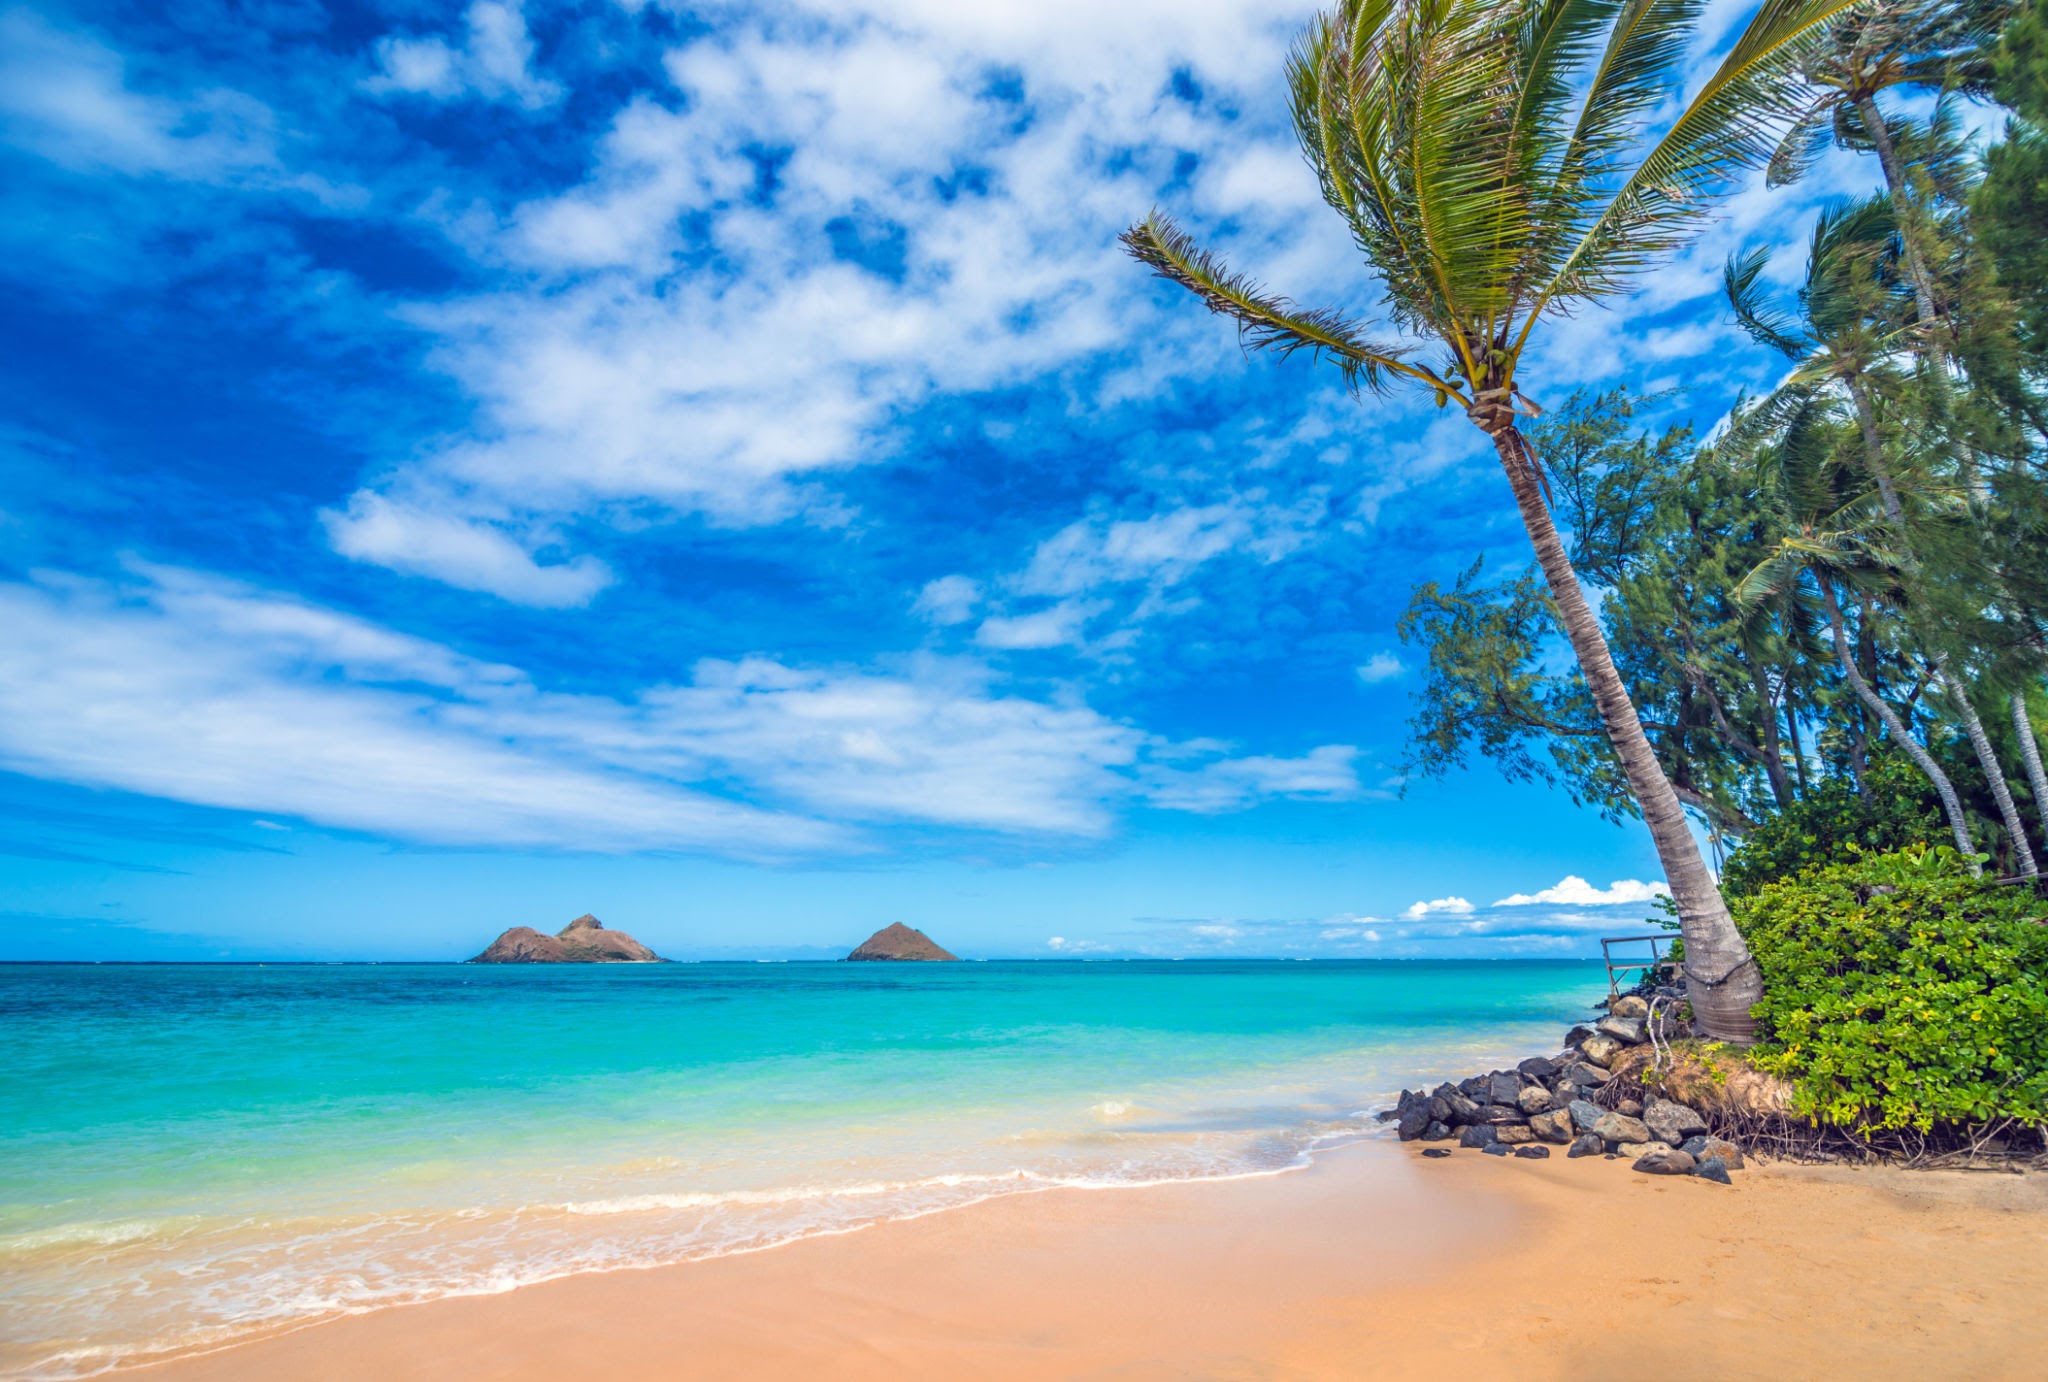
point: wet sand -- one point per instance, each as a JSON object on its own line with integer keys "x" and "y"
{"x": 1372, "y": 1263}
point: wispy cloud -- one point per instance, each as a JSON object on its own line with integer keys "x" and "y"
{"x": 1455, "y": 906}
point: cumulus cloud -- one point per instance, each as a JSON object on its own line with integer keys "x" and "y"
{"x": 948, "y": 600}
{"x": 494, "y": 61}
{"x": 1574, "y": 891}
{"x": 1380, "y": 667}
{"x": 1456, "y": 906}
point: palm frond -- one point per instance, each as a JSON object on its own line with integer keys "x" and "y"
{"x": 1266, "y": 322}
{"x": 1765, "y": 324}
{"x": 1732, "y": 125}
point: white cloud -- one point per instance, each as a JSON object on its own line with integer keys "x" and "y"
{"x": 1380, "y": 667}
{"x": 1574, "y": 891}
{"x": 495, "y": 63}
{"x": 183, "y": 685}
{"x": 468, "y": 553}
{"x": 1057, "y": 626}
{"x": 66, "y": 97}
{"x": 727, "y": 373}
{"x": 1455, "y": 906}
{"x": 1328, "y": 773}
{"x": 948, "y": 600}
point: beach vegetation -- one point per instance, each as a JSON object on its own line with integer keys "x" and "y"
{"x": 1902, "y": 993}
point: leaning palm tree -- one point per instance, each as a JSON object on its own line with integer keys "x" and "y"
{"x": 1492, "y": 160}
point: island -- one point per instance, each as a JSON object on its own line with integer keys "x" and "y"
{"x": 899, "y": 942}
{"x": 584, "y": 941}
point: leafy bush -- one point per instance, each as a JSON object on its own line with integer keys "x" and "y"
{"x": 1899, "y": 992}
{"x": 1819, "y": 829}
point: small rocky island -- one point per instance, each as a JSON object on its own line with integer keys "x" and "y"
{"x": 899, "y": 942}
{"x": 583, "y": 941}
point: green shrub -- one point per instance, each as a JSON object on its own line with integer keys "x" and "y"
{"x": 1819, "y": 829}
{"x": 1899, "y": 992}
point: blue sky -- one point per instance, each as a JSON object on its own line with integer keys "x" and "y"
{"x": 711, "y": 466}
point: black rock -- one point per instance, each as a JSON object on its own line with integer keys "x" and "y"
{"x": 1436, "y": 1151}
{"x": 1437, "y": 1132}
{"x": 1502, "y": 1088}
{"x": 1474, "y": 1088}
{"x": 1577, "y": 1035}
{"x": 1495, "y": 1149}
{"x": 1443, "y": 1091}
{"x": 1713, "y": 1169}
{"x": 1586, "y": 1144}
{"x": 1414, "y": 1121}
{"x": 1388, "y": 1115}
{"x": 1537, "y": 1068}
{"x": 1532, "y": 1152}
{"x": 1439, "y": 1108}
{"x": 1463, "y": 1110}
{"x": 1503, "y": 1113}
{"x": 1478, "y": 1135}
{"x": 1589, "y": 1076}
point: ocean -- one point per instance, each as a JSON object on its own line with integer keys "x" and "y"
{"x": 190, "y": 1154}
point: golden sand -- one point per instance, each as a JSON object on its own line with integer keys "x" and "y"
{"x": 1373, "y": 1263}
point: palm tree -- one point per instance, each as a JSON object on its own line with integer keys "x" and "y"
{"x": 1827, "y": 538}
{"x": 1879, "y": 46}
{"x": 1492, "y": 161}
{"x": 1848, "y": 322}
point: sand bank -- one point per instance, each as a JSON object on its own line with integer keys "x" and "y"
{"x": 1374, "y": 1263}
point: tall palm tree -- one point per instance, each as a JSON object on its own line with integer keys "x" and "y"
{"x": 1882, "y": 45}
{"x": 1829, "y": 537}
{"x": 1492, "y": 159}
{"x": 1848, "y": 322}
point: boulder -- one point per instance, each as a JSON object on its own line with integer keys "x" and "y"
{"x": 1533, "y": 1100}
{"x": 1437, "y": 1132}
{"x": 1599, "y": 1049}
{"x": 1474, "y": 1088}
{"x": 1632, "y": 1107}
{"x": 1553, "y": 1127}
{"x": 1577, "y": 1035}
{"x": 1502, "y": 1087}
{"x": 1439, "y": 1108}
{"x": 899, "y": 942}
{"x": 1645, "y": 1148}
{"x": 1463, "y": 1110}
{"x": 1672, "y": 1122}
{"x": 1502, "y": 1113}
{"x": 1478, "y": 1135}
{"x": 1537, "y": 1068}
{"x": 1532, "y": 1152}
{"x": 1619, "y": 1127}
{"x": 1665, "y": 1163}
{"x": 1585, "y": 1076}
{"x": 1626, "y": 1030}
{"x": 1586, "y": 1144}
{"x": 1515, "y": 1134}
{"x": 1495, "y": 1149}
{"x": 1713, "y": 1169}
{"x": 1628, "y": 1005}
{"x": 1436, "y": 1151}
{"x": 1414, "y": 1122}
{"x": 1722, "y": 1150}
{"x": 583, "y": 941}
{"x": 1584, "y": 1114}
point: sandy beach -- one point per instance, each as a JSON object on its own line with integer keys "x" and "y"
{"x": 1374, "y": 1262}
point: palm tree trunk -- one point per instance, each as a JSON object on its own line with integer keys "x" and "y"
{"x": 1951, "y": 804}
{"x": 1994, "y": 773}
{"x": 2030, "y": 754}
{"x": 1958, "y": 694}
{"x": 1902, "y": 204}
{"x": 1722, "y": 980}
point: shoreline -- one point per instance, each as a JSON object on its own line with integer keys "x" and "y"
{"x": 1370, "y": 1253}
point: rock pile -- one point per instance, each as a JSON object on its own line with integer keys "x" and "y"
{"x": 1572, "y": 1100}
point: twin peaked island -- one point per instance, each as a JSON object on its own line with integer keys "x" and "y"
{"x": 586, "y": 941}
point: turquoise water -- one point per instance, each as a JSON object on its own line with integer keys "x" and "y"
{"x": 189, "y": 1154}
